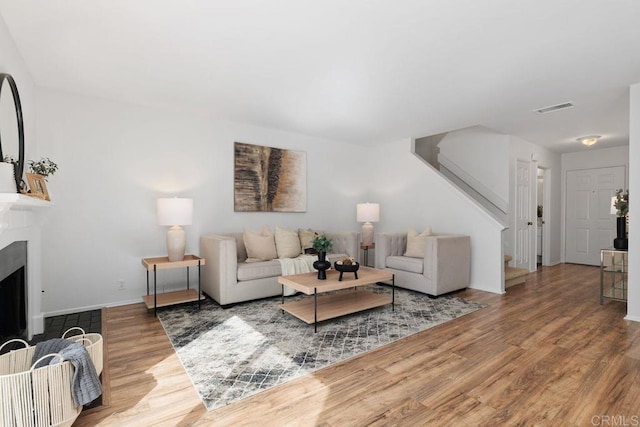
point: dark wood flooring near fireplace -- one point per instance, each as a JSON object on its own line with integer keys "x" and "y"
{"x": 55, "y": 326}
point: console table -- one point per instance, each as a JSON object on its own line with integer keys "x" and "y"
{"x": 176, "y": 297}
{"x": 614, "y": 267}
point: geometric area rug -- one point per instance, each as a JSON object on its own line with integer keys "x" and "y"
{"x": 234, "y": 353}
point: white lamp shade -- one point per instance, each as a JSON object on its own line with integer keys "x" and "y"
{"x": 175, "y": 211}
{"x": 368, "y": 212}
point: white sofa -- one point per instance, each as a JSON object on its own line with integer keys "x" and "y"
{"x": 228, "y": 279}
{"x": 445, "y": 267}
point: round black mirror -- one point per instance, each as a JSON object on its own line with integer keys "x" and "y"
{"x": 11, "y": 126}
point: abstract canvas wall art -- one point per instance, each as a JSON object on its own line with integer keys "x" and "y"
{"x": 268, "y": 179}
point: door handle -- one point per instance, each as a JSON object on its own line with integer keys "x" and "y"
{"x": 529, "y": 223}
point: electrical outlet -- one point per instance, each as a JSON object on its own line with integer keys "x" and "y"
{"x": 121, "y": 286}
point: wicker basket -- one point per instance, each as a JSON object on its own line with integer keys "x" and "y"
{"x": 41, "y": 396}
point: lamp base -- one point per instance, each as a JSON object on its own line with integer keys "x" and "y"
{"x": 367, "y": 234}
{"x": 176, "y": 243}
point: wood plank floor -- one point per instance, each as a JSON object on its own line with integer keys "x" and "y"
{"x": 546, "y": 353}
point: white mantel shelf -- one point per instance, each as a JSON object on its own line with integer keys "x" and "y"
{"x": 22, "y": 202}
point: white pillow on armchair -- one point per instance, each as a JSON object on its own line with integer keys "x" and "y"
{"x": 416, "y": 242}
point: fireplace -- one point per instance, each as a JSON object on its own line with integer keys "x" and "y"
{"x": 21, "y": 219}
{"x": 13, "y": 285}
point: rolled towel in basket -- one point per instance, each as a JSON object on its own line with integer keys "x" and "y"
{"x": 85, "y": 384}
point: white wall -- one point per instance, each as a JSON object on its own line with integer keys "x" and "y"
{"x": 115, "y": 159}
{"x": 11, "y": 63}
{"x": 520, "y": 149}
{"x": 595, "y": 158}
{"x": 413, "y": 195}
{"x": 472, "y": 149}
{"x": 591, "y": 159}
{"x": 633, "y": 303}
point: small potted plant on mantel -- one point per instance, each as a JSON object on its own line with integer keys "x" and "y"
{"x": 8, "y": 175}
{"x": 45, "y": 167}
{"x": 322, "y": 245}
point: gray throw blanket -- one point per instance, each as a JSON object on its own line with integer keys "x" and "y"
{"x": 85, "y": 385}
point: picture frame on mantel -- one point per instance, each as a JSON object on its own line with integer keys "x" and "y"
{"x": 37, "y": 186}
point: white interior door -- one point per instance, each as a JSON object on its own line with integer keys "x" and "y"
{"x": 589, "y": 223}
{"x": 524, "y": 242}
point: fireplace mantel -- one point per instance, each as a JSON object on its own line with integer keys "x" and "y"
{"x": 22, "y": 202}
{"x": 21, "y": 218}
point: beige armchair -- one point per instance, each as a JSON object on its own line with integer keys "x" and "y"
{"x": 445, "y": 267}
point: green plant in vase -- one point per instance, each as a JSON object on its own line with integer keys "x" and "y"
{"x": 622, "y": 202}
{"x": 322, "y": 244}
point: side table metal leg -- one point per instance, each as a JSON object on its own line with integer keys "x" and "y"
{"x": 147, "y": 282}
{"x": 199, "y": 286}
{"x": 601, "y": 277}
{"x": 188, "y": 276}
{"x": 315, "y": 310}
{"x": 155, "y": 292}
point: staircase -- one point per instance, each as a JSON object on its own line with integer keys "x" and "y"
{"x": 428, "y": 148}
{"x": 513, "y": 275}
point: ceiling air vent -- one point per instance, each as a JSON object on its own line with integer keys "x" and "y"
{"x": 553, "y": 108}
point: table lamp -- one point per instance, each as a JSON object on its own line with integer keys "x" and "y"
{"x": 368, "y": 213}
{"x": 175, "y": 212}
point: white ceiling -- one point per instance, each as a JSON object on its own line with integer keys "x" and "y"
{"x": 361, "y": 71}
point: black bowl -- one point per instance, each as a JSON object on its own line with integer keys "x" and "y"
{"x": 346, "y": 268}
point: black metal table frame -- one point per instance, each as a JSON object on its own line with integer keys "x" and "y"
{"x": 155, "y": 290}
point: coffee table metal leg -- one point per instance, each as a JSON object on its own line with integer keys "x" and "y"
{"x": 315, "y": 310}
{"x": 282, "y": 297}
{"x": 393, "y": 293}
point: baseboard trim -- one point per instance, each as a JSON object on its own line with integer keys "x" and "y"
{"x": 90, "y": 308}
{"x": 632, "y": 318}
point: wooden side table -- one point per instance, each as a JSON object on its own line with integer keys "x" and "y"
{"x": 176, "y": 297}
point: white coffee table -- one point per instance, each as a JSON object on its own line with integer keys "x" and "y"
{"x": 325, "y": 306}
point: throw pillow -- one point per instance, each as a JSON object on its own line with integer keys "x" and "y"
{"x": 306, "y": 236}
{"x": 287, "y": 243}
{"x": 260, "y": 246}
{"x": 416, "y": 243}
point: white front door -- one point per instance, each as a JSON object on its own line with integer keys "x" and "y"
{"x": 589, "y": 223}
{"x": 524, "y": 242}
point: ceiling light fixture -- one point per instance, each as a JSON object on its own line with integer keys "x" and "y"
{"x": 589, "y": 140}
